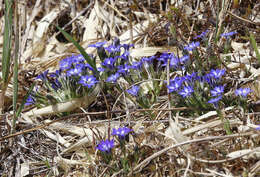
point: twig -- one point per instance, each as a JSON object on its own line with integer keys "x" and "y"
{"x": 147, "y": 160}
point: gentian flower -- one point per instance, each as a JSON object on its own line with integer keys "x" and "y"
{"x": 136, "y": 65}
{"x": 29, "y": 101}
{"x": 218, "y": 73}
{"x": 134, "y": 90}
{"x": 127, "y": 46}
{"x": 243, "y": 92}
{"x": 109, "y": 62}
{"x": 192, "y": 46}
{"x": 65, "y": 64}
{"x": 77, "y": 58}
{"x": 43, "y": 76}
{"x": 106, "y": 146}
{"x": 113, "y": 49}
{"x": 125, "y": 55}
{"x": 113, "y": 78}
{"x": 174, "y": 61}
{"x": 217, "y": 91}
{"x": 215, "y": 101}
{"x": 227, "y": 35}
{"x": 202, "y": 35}
{"x": 121, "y": 132}
{"x": 175, "y": 85}
{"x": 184, "y": 59}
{"x": 88, "y": 81}
{"x": 75, "y": 71}
{"x": 186, "y": 91}
{"x": 98, "y": 44}
{"x": 123, "y": 69}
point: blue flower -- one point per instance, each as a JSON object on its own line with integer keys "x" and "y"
{"x": 136, "y": 65}
{"x": 192, "y": 46}
{"x": 121, "y": 132}
{"x": 127, "y": 46}
{"x": 106, "y": 146}
{"x": 174, "y": 61}
{"x": 29, "y": 101}
{"x": 109, "y": 62}
{"x": 134, "y": 90}
{"x": 202, "y": 35}
{"x": 186, "y": 91}
{"x": 56, "y": 74}
{"x": 98, "y": 44}
{"x": 175, "y": 85}
{"x": 184, "y": 59}
{"x": 56, "y": 84}
{"x": 75, "y": 71}
{"x": 125, "y": 55}
{"x": 215, "y": 101}
{"x": 113, "y": 49}
{"x": 43, "y": 76}
{"x": 65, "y": 63}
{"x": 113, "y": 78}
{"x": 100, "y": 69}
{"x": 123, "y": 69}
{"x": 88, "y": 81}
{"x": 217, "y": 91}
{"x": 218, "y": 73}
{"x": 243, "y": 92}
{"x": 227, "y": 35}
{"x": 77, "y": 58}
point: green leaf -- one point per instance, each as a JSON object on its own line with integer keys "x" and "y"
{"x": 81, "y": 49}
{"x": 24, "y": 101}
{"x": 7, "y": 41}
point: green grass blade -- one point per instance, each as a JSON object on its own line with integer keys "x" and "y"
{"x": 81, "y": 50}
{"x": 19, "y": 110}
{"x": 254, "y": 45}
{"x": 15, "y": 70}
{"x": 7, "y": 42}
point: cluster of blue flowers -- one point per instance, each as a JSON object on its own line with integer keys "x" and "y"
{"x": 75, "y": 76}
{"x": 107, "y": 145}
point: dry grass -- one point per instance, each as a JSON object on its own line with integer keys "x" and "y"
{"x": 48, "y": 145}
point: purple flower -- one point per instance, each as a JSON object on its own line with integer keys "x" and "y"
{"x": 184, "y": 59}
{"x": 98, "y": 44}
{"x": 125, "y": 55}
{"x": 75, "y": 71}
{"x": 123, "y": 69}
{"x": 175, "y": 85}
{"x": 43, "y": 76}
{"x": 243, "y": 92}
{"x": 186, "y": 91}
{"x": 202, "y": 35}
{"x": 121, "y": 132}
{"x": 65, "y": 63}
{"x": 113, "y": 78}
{"x": 174, "y": 61}
{"x": 218, "y": 73}
{"x": 106, "y": 146}
{"x": 113, "y": 49}
{"x": 136, "y": 65}
{"x": 215, "y": 101}
{"x": 77, "y": 58}
{"x": 134, "y": 90}
{"x": 29, "y": 101}
{"x": 88, "y": 81}
{"x": 100, "y": 69}
{"x": 127, "y": 46}
{"x": 109, "y": 62}
{"x": 227, "y": 35}
{"x": 192, "y": 46}
{"x": 56, "y": 84}
{"x": 217, "y": 91}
